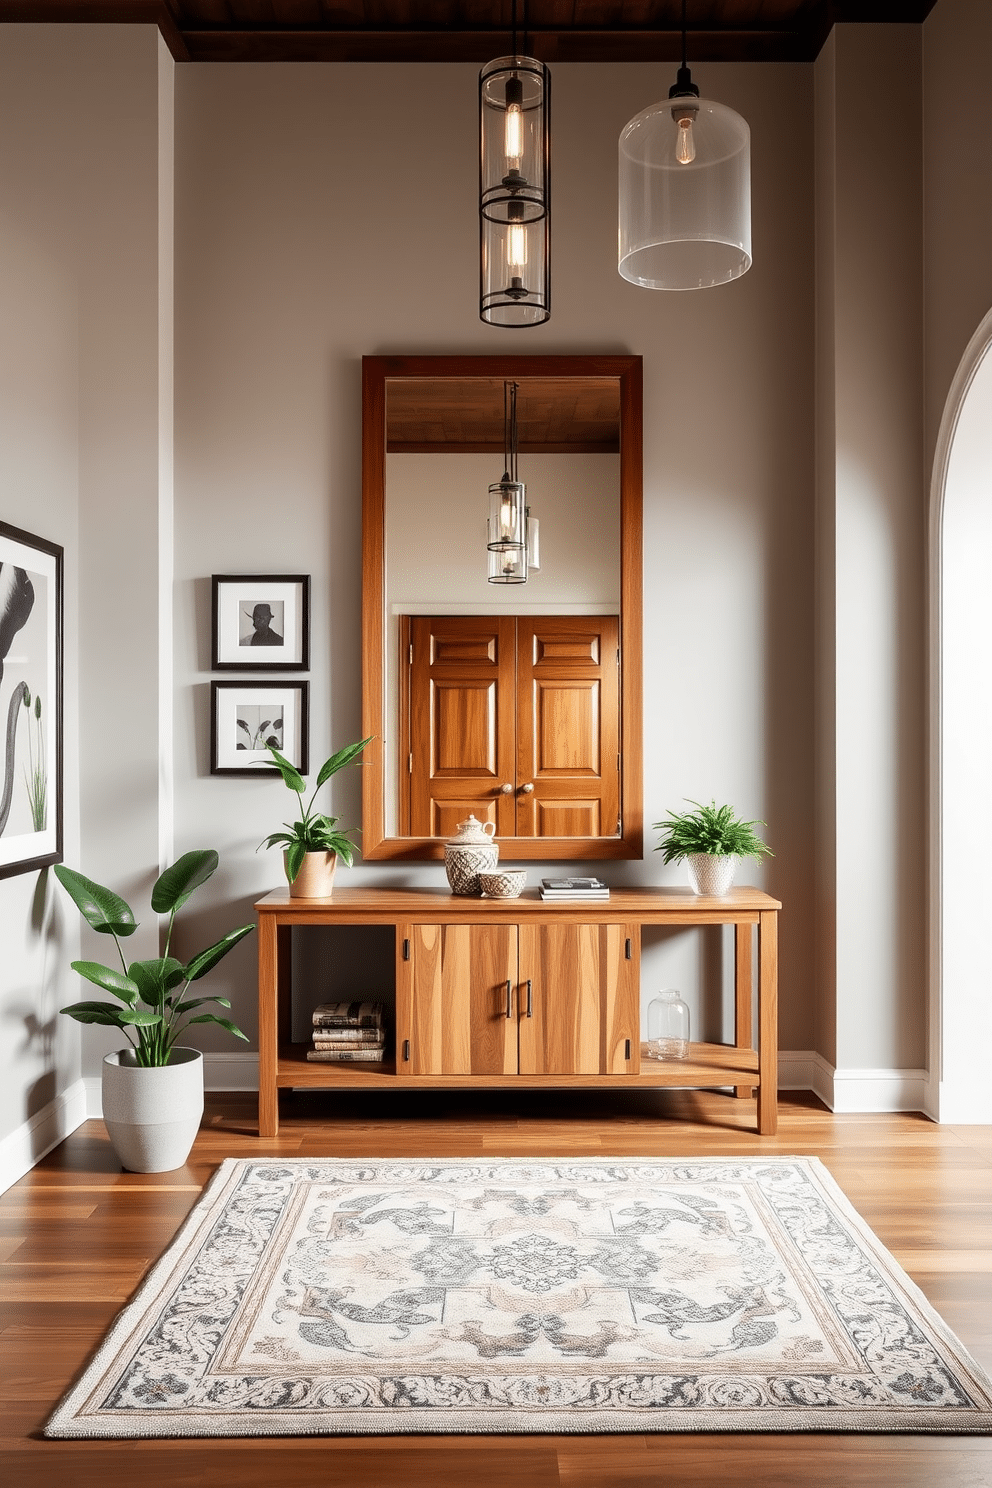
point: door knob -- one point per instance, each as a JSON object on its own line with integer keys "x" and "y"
{"x": 527, "y": 788}
{"x": 505, "y": 790}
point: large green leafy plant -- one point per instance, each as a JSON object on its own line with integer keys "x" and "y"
{"x": 151, "y": 996}
{"x": 313, "y": 832}
{"x": 714, "y": 830}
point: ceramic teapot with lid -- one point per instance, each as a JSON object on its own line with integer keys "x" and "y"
{"x": 470, "y": 852}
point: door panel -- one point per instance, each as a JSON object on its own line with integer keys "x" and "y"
{"x": 568, "y": 726}
{"x": 460, "y": 721}
{"x": 458, "y": 1022}
{"x": 584, "y": 999}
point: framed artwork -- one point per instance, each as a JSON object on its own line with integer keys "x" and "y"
{"x": 245, "y": 717}
{"x": 30, "y": 702}
{"x": 260, "y": 622}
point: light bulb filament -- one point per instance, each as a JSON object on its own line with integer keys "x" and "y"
{"x": 685, "y": 147}
{"x": 516, "y": 246}
{"x": 513, "y": 138}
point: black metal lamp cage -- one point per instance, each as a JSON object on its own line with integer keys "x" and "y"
{"x": 515, "y": 191}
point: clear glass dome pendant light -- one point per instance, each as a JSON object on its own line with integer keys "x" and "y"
{"x": 515, "y": 188}
{"x": 685, "y": 191}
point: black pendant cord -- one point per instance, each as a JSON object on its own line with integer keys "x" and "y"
{"x": 684, "y": 67}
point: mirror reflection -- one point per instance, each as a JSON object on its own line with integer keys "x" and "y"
{"x": 501, "y": 605}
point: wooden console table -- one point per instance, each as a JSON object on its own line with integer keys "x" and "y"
{"x": 518, "y": 992}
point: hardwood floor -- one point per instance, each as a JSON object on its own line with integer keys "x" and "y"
{"x": 77, "y": 1235}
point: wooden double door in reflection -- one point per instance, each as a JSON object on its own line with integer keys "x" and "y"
{"x": 513, "y": 718}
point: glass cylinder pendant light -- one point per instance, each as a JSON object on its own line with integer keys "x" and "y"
{"x": 685, "y": 191}
{"x": 507, "y": 527}
{"x": 514, "y": 189}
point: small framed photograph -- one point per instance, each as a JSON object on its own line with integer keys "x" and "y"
{"x": 261, "y": 622}
{"x": 30, "y": 702}
{"x": 246, "y": 717}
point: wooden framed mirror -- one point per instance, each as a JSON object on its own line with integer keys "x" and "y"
{"x": 520, "y": 702}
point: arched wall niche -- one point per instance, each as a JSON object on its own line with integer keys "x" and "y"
{"x": 960, "y": 739}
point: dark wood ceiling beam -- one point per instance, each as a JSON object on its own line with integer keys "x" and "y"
{"x": 576, "y": 45}
{"x": 158, "y": 13}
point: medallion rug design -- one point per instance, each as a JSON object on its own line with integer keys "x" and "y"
{"x": 548, "y": 1295}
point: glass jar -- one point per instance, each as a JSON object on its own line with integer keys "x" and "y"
{"x": 668, "y": 1026}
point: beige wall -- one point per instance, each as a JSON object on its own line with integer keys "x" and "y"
{"x": 305, "y": 239}
{"x": 79, "y": 464}
{"x": 871, "y": 504}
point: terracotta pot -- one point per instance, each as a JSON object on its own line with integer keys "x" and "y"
{"x": 152, "y": 1115}
{"x": 315, "y": 879}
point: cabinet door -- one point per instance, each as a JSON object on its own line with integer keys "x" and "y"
{"x": 581, "y": 1016}
{"x": 458, "y": 1000}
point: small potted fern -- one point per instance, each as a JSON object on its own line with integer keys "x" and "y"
{"x": 709, "y": 840}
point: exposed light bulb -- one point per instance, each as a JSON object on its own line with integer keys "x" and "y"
{"x": 513, "y": 137}
{"x": 506, "y": 523}
{"x": 516, "y": 246}
{"x": 685, "y": 145}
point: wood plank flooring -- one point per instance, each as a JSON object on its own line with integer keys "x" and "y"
{"x": 77, "y": 1235}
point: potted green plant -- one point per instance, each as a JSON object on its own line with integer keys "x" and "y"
{"x": 153, "y": 1090}
{"x": 312, "y": 844}
{"x": 709, "y": 840}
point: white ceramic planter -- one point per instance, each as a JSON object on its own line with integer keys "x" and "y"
{"x": 153, "y": 1115}
{"x": 315, "y": 879}
{"x": 709, "y": 874}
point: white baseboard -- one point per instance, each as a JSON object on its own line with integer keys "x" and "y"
{"x": 28, "y": 1143}
{"x": 220, "y": 1072}
{"x": 230, "y": 1071}
{"x": 965, "y": 1103}
{"x": 843, "y": 1091}
{"x": 854, "y": 1091}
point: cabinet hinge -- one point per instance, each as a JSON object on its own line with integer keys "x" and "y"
{"x": 627, "y": 1049}
{"x": 406, "y": 950}
{"x": 409, "y": 763}
{"x": 406, "y": 1049}
{"x": 619, "y": 826}
{"x": 628, "y": 949}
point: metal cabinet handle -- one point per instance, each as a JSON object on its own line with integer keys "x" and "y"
{"x": 527, "y": 788}
{"x": 530, "y": 998}
{"x": 509, "y": 998}
{"x": 505, "y": 790}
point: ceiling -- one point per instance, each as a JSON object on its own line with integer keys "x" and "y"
{"x": 465, "y": 415}
{"x": 478, "y": 30}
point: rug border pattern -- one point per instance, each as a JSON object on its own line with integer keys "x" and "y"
{"x": 66, "y": 1422}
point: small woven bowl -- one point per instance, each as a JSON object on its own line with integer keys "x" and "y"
{"x": 507, "y": 885}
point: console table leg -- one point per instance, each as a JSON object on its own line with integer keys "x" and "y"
{"x": 268, "y": 1026}
{"x": 743, "y": 990}
{"x": 768, "y": 1024}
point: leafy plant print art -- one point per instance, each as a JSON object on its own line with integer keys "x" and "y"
{"x": 30, "y": 605}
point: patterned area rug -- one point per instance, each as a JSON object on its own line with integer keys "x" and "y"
{"x": 527, "y": 1296}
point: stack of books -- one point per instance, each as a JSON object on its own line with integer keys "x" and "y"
{"x": 349, "y": 1033}
{"x": 574, "y": 888}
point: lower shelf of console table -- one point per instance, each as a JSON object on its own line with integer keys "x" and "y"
{"x": 572, "y": 1023}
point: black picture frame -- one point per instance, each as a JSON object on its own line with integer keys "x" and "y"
{"x": 31, "y": 749}
{"x": 241, "y": 719}
{"x": 260, "y": 622}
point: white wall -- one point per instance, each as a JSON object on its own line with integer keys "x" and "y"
{"x": 958, "y": 222}
{"x": 79, "y": 449}
{"x": 307, "y": 236}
